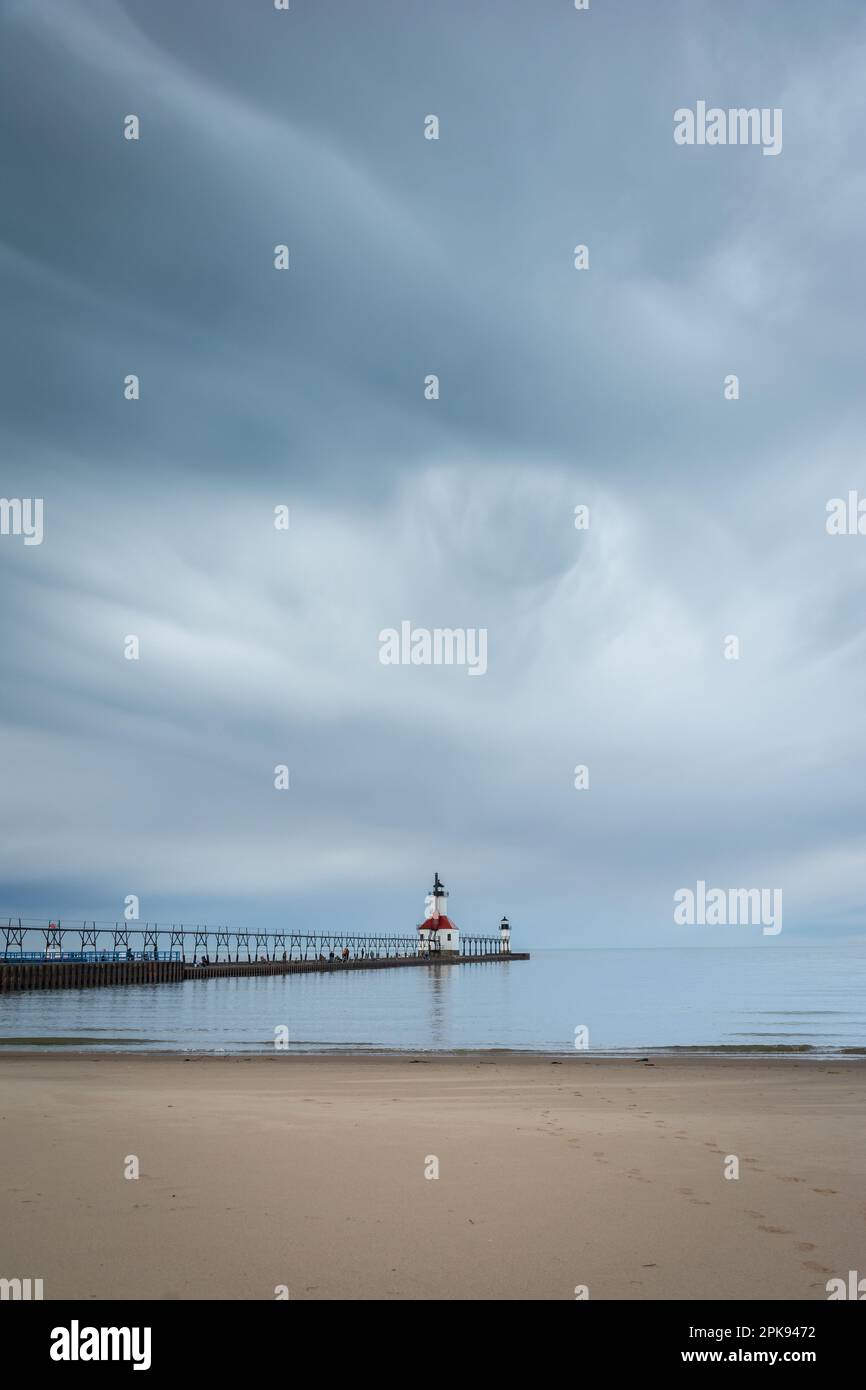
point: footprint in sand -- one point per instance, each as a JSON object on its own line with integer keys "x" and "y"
{"x": 826, "y": 1191}
{"x": 775, "y": 1230}
{"x": 813, "y": 1264}
{"x": 804, "y": 1245}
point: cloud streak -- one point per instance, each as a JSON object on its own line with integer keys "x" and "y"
{"x": 260, "y": 647}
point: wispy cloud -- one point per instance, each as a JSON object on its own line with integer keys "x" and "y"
{"x": 260, "y": 647}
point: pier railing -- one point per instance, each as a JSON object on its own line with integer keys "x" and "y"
{"x": 29, "y": 939}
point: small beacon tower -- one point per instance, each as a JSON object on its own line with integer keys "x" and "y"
{"x": 437, "y": 933}
{"x": 505, "y": 935}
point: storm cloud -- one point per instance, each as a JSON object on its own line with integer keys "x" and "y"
{"x": 305, "y": 388}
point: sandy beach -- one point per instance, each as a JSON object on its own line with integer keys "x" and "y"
{"x": 309, "y": 1172}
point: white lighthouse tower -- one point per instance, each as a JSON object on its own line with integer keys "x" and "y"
{"x": 437, "y": 933}
{"x": 505, "y": 935}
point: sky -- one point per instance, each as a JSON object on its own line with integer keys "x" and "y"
{"x": 305, "y": 388}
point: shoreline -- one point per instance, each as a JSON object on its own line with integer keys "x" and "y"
{"x": 648, "y": 1056}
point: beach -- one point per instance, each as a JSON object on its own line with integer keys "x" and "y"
{"x": 315, "y": 1176}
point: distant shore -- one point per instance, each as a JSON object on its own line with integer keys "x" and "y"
{"x": 310, "y": 1172}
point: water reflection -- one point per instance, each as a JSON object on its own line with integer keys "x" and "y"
{"x": 437, "y": 994}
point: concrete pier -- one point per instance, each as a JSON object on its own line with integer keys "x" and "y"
{"x": 292, "y": 967}
{"x": 48, "y": 974}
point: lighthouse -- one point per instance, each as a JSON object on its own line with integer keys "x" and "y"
{"x": 437, "y": 933}
{"x": 505, "y": 935}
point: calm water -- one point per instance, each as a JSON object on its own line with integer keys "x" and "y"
{"x": 796, "y": 997}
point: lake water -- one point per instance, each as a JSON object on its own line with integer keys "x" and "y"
{"x": 630, "y": 1000}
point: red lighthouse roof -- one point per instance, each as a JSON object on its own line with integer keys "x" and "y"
{"x": 437, "y": 924}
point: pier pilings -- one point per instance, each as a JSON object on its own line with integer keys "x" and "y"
{"x": 86, "y": 974}
{"x": 51, "y": 974}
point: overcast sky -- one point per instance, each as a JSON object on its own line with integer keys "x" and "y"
{"x": 558, "y": 387}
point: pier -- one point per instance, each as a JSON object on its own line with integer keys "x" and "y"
{"x": 87, "y": 955}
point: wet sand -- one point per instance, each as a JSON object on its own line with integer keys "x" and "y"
{"x": 309, "y": 1172}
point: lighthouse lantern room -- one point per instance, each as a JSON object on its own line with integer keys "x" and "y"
{"x": 437, "y": 932}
